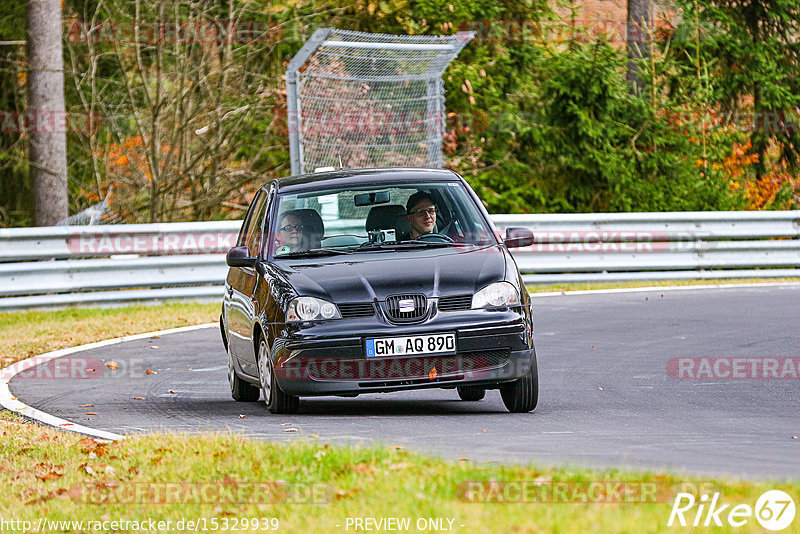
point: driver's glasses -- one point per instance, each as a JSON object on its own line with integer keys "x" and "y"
{"x": 429, "y": 211}
{"x": 289, "y": 228}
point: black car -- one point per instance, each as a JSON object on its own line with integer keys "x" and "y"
{"x": 363, "y": 281}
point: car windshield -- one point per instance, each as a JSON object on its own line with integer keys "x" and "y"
{"x": 352, "y": 220}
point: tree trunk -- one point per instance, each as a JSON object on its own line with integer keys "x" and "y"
{"x": 48, "y": 124}
{"x": 639, "y": 35}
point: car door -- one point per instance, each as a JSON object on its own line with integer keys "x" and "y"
{"x": 241, "y": 285}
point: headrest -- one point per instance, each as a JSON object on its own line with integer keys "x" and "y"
{"x": 387, "y": 217}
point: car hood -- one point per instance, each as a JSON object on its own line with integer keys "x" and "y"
{"x": 364, "y": 277}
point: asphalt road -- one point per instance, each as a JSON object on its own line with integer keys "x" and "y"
{"x": 606, "y": 397}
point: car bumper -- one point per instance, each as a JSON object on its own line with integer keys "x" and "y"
{"x": 486, "y": 355}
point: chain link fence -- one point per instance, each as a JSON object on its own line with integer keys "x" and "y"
{"x": 361, "y": 100}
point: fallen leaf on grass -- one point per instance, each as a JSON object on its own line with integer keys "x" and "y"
{"x": 112, "y": 365}
{"x": 363, "y": 468}
{"x": 96, "y": 469}
{"x": 46, "y": 472}
{"x": 92, "y": 446}
{"x": 342, "y": 494}
{"x": 401, "y": 465}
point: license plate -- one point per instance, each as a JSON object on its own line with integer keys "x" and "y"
{"x": 411, "y": 345}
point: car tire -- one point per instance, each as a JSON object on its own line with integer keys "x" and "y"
{"x": 471, "y": 393}
{"x": 522, "y": 395}
{"x": 241, "y": 391}
{"x": 276, "y": 400}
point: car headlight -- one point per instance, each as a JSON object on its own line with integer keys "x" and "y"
{"x": 310, "y": 309}
{"x": 496, "y": 295}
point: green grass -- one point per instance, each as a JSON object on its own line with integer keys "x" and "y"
{"x": 46, "y": 473}
{"x": 26, "y": 334}
{"x": 584, "y": 286}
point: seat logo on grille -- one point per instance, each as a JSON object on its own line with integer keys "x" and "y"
{"x": 406, "y": 305}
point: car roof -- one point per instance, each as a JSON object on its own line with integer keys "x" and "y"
{"x": 351, "y": 177}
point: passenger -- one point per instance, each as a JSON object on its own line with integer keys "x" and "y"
{"x": 289, "y": 237}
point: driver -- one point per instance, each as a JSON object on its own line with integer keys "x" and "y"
{"x": 421, "y": 214}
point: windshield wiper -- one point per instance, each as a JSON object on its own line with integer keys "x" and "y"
{"x": 437, "y": 243}
{"x": 408, "y": 243}
{"x": 314, "y": 252}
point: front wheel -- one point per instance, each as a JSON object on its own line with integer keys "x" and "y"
{"x": 522, "y": 395}
{"x": 241, "y": 391}
{"x": 471, "y": 393}
{"x": 277, "y": 401}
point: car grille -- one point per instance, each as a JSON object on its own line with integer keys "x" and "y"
{"x": 357, "y": 309}
{"x": 459, "y": 302}
{"x": 418, "y": 312}
{"x": 407, "y": 368}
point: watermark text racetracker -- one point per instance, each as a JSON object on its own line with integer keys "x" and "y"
{"x": 75, "y": 367}
{"x": 546, "y": 491}
{"x": 45, "y": 121}
{"x": 231, "y": 492}
{"x": 200, "y": 524}
{"x": 734, "y": 368}
{"x": 118, "y": 241}
{"x": 121, "y": 242}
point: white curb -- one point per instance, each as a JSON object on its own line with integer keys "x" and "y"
{"x": 11, "y": 403}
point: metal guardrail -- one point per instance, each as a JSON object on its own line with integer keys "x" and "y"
{"x": 80, "y": 265}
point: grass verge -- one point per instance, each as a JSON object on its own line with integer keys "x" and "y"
{"x": 26, "y": 334}
{"x": 156, "y": 482}
{"x": 313, "y": 487}
{"x": 585, "y": 286}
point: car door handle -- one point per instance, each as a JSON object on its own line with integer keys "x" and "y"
{"x": 230, "y": 291}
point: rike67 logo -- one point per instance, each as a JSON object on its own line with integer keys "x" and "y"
{"x": 774, "y": 510}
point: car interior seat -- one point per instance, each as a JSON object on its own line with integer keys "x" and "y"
{"x": 389, "y": 217}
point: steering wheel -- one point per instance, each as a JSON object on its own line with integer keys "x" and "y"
{"x": 435, "y": 238}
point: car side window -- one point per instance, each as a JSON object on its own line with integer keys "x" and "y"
{"x": 241, "y": 240}
{"x": 252, "y": 238}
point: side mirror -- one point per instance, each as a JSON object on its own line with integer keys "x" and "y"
{"x": 240, "y": 257}
{"x": 517, "y": 237}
